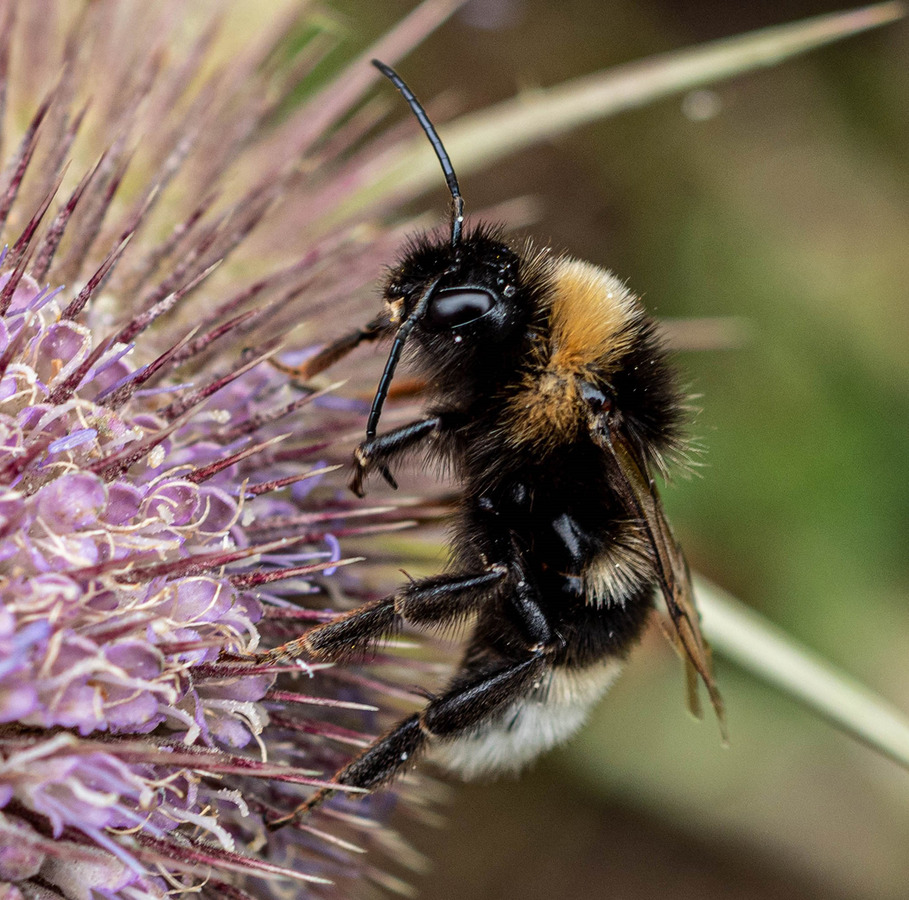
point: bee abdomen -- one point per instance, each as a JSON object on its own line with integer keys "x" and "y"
{"x": 548, "y": 716}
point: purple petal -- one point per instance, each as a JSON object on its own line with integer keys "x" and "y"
{"x": 20, "y": 855}
{"x": 12, "y": 512}
{"x": 174, "y": 502}
{"x": 60, "y": 349}
{"x": 221, "y": 511}
{"x": 72, "y": 502}
{"x": 123, "y": 503}
{"x": 76, "y": 439}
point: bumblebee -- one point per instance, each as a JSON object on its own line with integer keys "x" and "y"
{"x": 552, "y": 401}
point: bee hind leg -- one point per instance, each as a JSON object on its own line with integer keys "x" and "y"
{"x": 473, "y": 698}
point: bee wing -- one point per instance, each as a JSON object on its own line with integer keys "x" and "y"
{"x": 639, "y": 495}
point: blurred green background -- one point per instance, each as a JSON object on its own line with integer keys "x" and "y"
{"x": 780, "y": 197}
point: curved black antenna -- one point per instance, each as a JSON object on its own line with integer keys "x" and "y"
{"x": 457, "y": 218}
{"x": 394, "y": 355}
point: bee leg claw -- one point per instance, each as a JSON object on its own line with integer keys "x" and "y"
{"x": 375, "y": 452}
{"x": 303, "y": 810}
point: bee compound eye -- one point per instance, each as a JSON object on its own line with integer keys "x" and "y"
{"x": 458, "y": 306}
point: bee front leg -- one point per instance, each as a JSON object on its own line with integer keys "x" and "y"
{"x": 377, "y": 452}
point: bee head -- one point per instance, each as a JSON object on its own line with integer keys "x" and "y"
{"x": 471, "y": 291}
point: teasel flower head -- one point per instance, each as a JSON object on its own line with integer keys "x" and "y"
{"x": 182, "y": 192}
{"x": 166, "y": 499}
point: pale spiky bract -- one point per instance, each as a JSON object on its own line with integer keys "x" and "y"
{"x": 163, "y": 499}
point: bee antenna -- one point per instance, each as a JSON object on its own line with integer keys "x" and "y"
{"x": 457, "y": 217}
{"x": 394, "y": 355}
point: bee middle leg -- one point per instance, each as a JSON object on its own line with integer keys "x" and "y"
{"x": 491, "y": 679}
{"x": 437, "y": 600}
